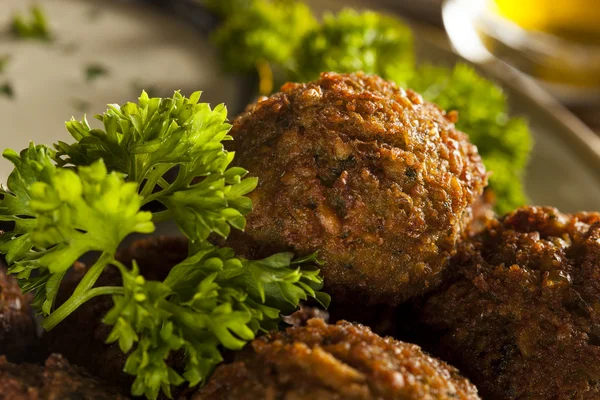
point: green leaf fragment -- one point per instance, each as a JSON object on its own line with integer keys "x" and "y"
{"x": 353, "y": 41}
{"x": 6, "y": 90}
{"x": 95, "y": 71}
{"x": 34, "y": 27}
{"x": 60, "y": 215}
{"x": 265, "y": 30}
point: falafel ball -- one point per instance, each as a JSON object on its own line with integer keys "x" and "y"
{"x": 18, "y": 336}
{"x": 368, "y": 174}
{"x": 57, "y": 380}
{"x": 81, "y": 337}
{"x": 522, "y": 317}
{"x": 329, "y": 362}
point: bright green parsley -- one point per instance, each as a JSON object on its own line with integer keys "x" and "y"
{"x": 352, "y": 41}
{"x": 88, "y": 195}
{"x": 266, "y": 31}
{"x": 33, "y": 27}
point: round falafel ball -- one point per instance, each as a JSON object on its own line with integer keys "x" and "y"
{"x": 521, "y": 318}
{"x": 368, "y": 174}
{"x": 334, "y": 362}
{"x": 18, "y": 336}
{"x": 57, "y": 380}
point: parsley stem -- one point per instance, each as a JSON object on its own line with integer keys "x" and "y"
{"x": 265, "y": 77}
{"x": 151, "y": 181}
{"x": 156, "y": 195}
{"x": 83, "y": 292}
{"x": 75, "y": 302}
{"x": 161, "y": 216}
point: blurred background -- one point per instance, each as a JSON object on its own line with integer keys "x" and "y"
{"x": 522, "y": 75}
{"x": 556, "y": 42}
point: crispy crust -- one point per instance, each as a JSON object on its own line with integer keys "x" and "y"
{"x": 58, "y": 380}
{"x": 522, "y": 317}
{"x": 375, "y": 179}
{"x": 18, "y": 337}
{"x": 334, "y": 362}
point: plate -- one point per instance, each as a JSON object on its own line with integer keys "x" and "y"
{"x": 140, "y": 46}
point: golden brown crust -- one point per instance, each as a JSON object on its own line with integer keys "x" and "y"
{"x": 522, "y": 318}
{"x": 18, "y": 337}
{"x": 334, "y": 362}
{"x": 58, "y": 380}
{"x": 374, "y": 178}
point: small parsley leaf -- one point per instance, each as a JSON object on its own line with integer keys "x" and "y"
{"x": 95, "y": 71}
{"x": 35, "y": 28}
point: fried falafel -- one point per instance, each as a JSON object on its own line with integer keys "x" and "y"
{"x": 18, "y": 336}
{"x": 368, "y": 174}
{"x": 521, "y": 319}
{"x": 328, "y": 362}
{"x": 57, "y": 380}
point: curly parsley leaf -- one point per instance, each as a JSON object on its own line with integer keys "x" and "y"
{"x": 33, "y": 164}
{"x": 265, "y": 31}
{"x": 60, "y": 215}
{"x": 208, "y": 301}
{"x": 145, "y": 141}
{"x": 357, "y": 41}
{"x": 36, "y": 27}
{"x": 83, "y": 211}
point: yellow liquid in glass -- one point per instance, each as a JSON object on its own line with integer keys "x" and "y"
{"x": 575, "y": 20}
{"x": 575, "y": 62}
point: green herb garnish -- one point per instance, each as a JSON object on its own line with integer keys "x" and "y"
{"x": 34, "y": 27}
{"x": 95, "y": 71}
{"x": 263, "y": 36}
{"x": 87, "y": 196}
{"x": 351, "y": 41}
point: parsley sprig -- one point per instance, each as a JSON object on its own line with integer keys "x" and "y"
{"x": 87, "y": 196}
{"x": 353, "y": 41}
